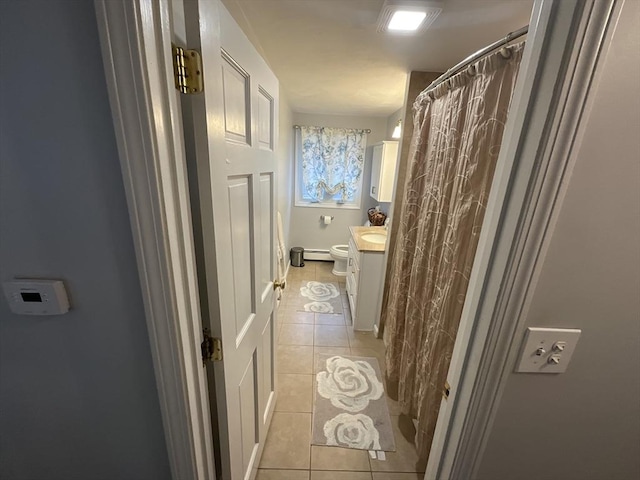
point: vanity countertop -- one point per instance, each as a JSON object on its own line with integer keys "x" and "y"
{"x": 363, "y": 245}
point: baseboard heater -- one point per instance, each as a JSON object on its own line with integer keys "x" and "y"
{"x": 317, "y": 254}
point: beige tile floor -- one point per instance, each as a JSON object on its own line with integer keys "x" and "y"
{"x": 288, "y": 453}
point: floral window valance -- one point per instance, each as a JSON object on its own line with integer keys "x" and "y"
{"x": 332, "y": 163}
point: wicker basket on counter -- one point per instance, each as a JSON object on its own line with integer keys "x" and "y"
{"x": 376, "y": 217}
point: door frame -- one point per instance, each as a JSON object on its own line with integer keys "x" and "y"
{"x": 531, "y": 175}
{"x": 566, "y": 41}
{"x": 135, "y": 39}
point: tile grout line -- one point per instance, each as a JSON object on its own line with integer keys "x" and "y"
{"x": 310, "y": 438}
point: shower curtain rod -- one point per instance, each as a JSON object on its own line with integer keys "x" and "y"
{"x": 367, "y": 130}
{"x": 476, "y": 56}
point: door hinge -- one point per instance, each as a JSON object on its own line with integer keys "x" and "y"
{"x": 211, "y": 347}
{"x": 446, "y": 390}
{"x": 187, "y": 70}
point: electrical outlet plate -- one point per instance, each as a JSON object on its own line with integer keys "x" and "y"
{"x": 547, "y": 350}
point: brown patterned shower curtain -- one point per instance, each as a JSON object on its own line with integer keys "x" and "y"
{"x": 457, "y": 134}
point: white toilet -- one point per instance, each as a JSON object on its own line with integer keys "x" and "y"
{"x": 339, "y": 253}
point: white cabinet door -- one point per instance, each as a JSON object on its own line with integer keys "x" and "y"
{"x": 365, "y": 273}
{"x": 376, "y": 169}
{"x": 368, "y": 291}
{"x": 383, "y": 170}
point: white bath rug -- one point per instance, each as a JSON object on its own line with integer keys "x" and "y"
{"x": 350, "y": 407}
{"x": 320, "y": 297}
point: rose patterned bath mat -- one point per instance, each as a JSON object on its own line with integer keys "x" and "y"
{"x": 350, "y": 407}
{"x": 320, "y": 297}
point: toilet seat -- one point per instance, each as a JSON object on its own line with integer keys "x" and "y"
{"x": 339, "y": 251}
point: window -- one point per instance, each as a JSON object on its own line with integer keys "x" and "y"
{"x": 329, "y": 166}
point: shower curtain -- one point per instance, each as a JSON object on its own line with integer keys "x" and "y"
{"x": 456, "y": 139}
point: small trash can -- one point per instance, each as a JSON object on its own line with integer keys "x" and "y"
{"x": 297, "y": 256}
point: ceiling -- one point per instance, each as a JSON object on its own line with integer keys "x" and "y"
{"x": 330, "y": 59}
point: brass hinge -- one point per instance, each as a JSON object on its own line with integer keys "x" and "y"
{"x": 187, "y": 70}
{"x": 211, "y": 347}
{"x": 446, "y": 390}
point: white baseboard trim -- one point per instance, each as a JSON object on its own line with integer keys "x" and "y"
{"x": 317, "y": 254}
{"x": 280, "y": 293}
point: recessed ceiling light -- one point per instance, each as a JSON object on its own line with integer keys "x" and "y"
{"x": 407, "y": 17}
{"x": 406, "y": 21}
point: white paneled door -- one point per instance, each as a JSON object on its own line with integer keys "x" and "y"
{"x": 233, "y": 132}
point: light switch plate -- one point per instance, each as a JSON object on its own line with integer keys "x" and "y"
{"x": 547, "y": 350}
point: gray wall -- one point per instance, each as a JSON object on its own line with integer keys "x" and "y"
{"x": 306, "y": 230}
{"x": 585, "y": 424}
{"x": 77, "y": 392}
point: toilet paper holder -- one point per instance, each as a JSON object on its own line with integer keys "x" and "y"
{"x": 322, "y": 217}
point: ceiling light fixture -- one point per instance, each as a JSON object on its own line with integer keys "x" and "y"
{"x": 407, "y": 17}
{"x": 406, "y": 21}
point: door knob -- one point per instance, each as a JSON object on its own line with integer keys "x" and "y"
{"x": 277, "y": 284}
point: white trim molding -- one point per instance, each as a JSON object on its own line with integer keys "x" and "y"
{"x": 286, "y": 272}
{"x": 317, "y": 254}
{"x": 566, "y": 41}
{"x": 135, "y": 38}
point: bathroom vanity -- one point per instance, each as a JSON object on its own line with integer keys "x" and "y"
{"x": 365, "y": 274}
